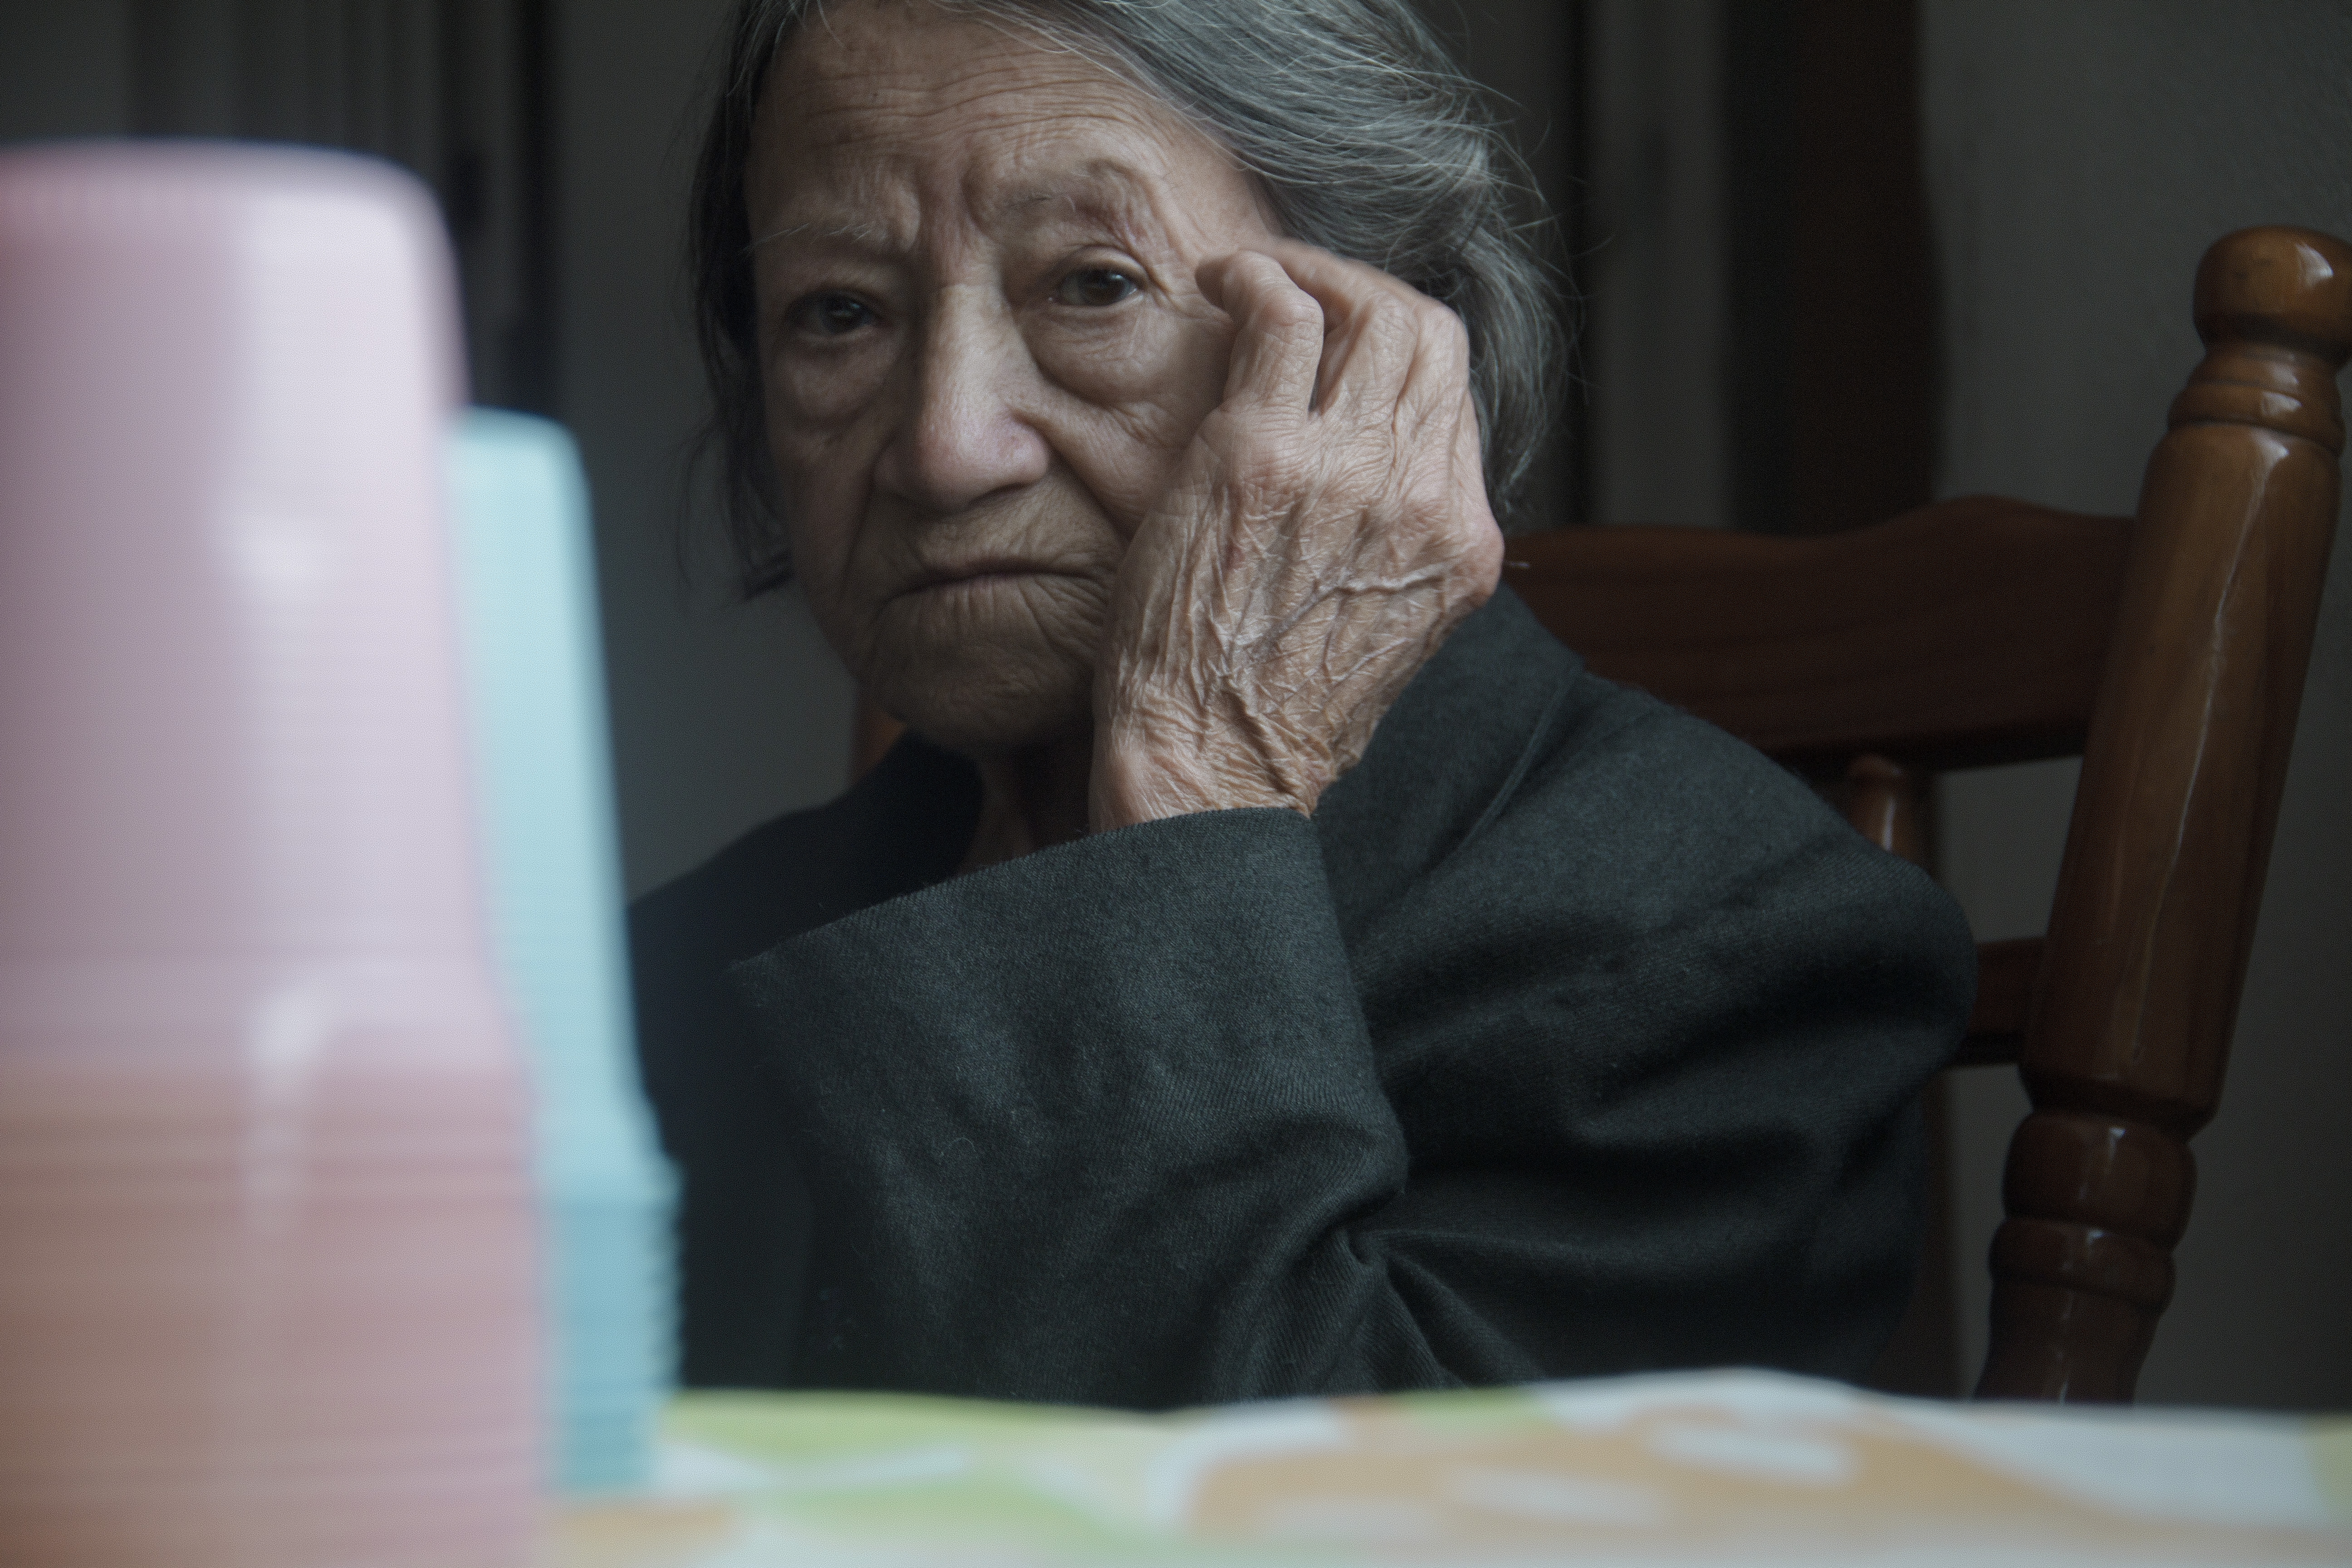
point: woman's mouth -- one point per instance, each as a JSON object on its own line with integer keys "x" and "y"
{"x": 975, "y": 573}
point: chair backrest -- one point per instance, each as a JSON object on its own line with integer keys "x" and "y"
{"x": 2169, "y": 649}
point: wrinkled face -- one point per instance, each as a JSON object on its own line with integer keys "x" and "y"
{"x": 982, "y": 348}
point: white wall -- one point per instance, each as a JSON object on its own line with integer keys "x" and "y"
{"x": 2080, "y": 157}
{"x": 723, "y": 715}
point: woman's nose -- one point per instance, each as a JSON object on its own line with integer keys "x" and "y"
{"x": 965, "y": 436}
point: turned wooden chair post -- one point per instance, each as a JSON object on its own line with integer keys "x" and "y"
{"x": 2168, "y": 651}
{"x": 1886, "y": 804}
{"x": 2182, "y": 770}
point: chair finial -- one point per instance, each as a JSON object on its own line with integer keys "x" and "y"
{"x": 2292, "y": 287}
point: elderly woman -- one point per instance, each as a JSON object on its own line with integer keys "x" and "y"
{"x": 1270, "y": 965}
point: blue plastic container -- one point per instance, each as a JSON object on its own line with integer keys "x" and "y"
{"x": 535, "y": 669}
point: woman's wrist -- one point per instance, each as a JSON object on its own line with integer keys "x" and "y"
{"x": 1139, "y": 777}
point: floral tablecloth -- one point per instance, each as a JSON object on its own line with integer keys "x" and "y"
{"x": 1686, "y": 1468}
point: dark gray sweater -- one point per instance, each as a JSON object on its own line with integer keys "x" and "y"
{"x": 1570, "y": 1036}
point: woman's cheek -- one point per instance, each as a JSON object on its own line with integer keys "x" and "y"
{"x": 822, "y": 439}
{"x": 1149, "y": 359}
{"x": 824, "y": 476}
{"x": 827, "y": 387}
{"x": 1142, "y": 391}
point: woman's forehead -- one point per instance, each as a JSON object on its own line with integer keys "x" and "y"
{"x": 863, "y": 125}
{"x": 887, "y": 215}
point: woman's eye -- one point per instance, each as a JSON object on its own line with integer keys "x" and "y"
{"x": 1095, "y": 286}
{"x": 830, "y": 315}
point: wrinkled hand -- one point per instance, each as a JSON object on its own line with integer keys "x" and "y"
{"x": 1326, "y": 531}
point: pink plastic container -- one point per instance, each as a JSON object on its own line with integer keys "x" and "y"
{"x": 265, "y": 1267}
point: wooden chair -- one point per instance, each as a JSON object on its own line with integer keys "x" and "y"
{"x": 2169, "y": 649}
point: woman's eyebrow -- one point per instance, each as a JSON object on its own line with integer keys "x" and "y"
{"x": 864, "y": 235}
{"x": 1101, "y": 188}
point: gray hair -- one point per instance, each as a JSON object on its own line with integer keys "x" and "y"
{"x": 1367, "y": 140}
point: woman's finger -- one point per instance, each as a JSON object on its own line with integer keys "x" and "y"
{"x": 1277, "y": 332}
{"x": 1469, "y": 450}
{"x": 1367, "y": 337}
{"x": 1438, "y": 379}
{"x": 1378, "y": 336}
{"x": 1335, "y": 280}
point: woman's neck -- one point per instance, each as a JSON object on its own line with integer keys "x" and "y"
{"x": 1030, "y": 799}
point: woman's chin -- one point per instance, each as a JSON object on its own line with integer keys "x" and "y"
{"x": 993, "y": 676}
{"x": 984, "y": 712}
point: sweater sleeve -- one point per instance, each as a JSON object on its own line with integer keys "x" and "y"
{"x": 1099, "y": 1124}
{"x": 1142, "y": 1119}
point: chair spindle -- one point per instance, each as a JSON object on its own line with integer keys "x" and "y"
{"x": 1884, "y": 803}
{"x": 2130, "y": 1027}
